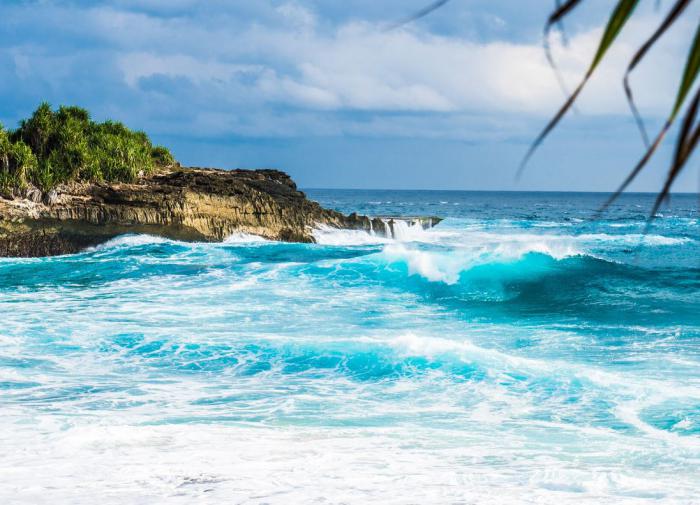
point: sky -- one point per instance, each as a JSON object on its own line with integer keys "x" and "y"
{"x": 323, "y": 90}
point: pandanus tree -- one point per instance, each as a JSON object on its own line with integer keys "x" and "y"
{"x": 685, "y": 105}
{"x": 54, "y": 147}
{"x": 17, "y": 163}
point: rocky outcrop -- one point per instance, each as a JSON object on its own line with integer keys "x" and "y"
{"x": 191, "y": 204}
{"x": 391, "y": 226}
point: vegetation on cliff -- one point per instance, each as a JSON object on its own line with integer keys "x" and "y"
{"x": 55, "y": 147}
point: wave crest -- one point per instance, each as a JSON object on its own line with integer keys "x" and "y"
{"x": 325, "y": 235}
{"x": 449, "y": 266}
{"x": 132, "y": 240}
{"x": 244, "y": 238}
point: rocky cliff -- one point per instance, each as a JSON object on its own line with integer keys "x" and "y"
{"x": 191, "y": 204}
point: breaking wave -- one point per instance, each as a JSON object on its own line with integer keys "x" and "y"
{"x": 433, "y": 366}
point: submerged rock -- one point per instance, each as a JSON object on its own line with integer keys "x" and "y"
{"x": 191, "y": 204}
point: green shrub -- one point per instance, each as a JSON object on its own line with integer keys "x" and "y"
{"x": 162, "y": 156}
{"x": 38, "y": 130}
{"x": 54, "y": 147}
{"x": 121, "y": 154}
{"x": 6, "y": 179}
{"x": 18, "y": 164}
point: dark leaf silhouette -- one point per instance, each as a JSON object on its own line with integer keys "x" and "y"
{"x": 689, "y": 135}
{"x": 561, "y": 10}
{"x": 560, "y": 25}
{"x": 617, "y": 21}
{"x": 421, "y": 13}
{"x": 685, "y": 145}
{"x": 692, "y": 67}
{"x": 548, "y": 49}
{"x": 672, "y": 16}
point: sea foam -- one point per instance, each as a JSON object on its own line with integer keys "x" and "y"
{"x": 516, "y": 353}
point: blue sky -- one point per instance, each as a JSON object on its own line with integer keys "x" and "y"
{"x": 320, "y": 89}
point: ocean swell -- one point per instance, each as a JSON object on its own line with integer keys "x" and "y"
{"x": 523, "y": 350}
{"x": 453, "y": 266}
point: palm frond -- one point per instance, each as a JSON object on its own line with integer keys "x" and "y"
{"x": 692, "y": 67}
{"x": 562, "y": 10}
{"x": 672, "y": 16}
{"x": 690, "y": 73}
{"x": 617, "y": 21}
{"x": 417, "y": 15}
{"x": 685, "y": 145}
{"x": 689, "y": 135}
{"x": 548, "y": 49}
{"x": 560, "y": 25}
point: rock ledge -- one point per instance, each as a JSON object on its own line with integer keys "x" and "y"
{"x": 191, "y": 204}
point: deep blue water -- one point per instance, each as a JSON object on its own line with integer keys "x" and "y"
{"x": 519, "y": 352}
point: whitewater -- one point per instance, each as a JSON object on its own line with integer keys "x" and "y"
{"x": 519, "y": 352}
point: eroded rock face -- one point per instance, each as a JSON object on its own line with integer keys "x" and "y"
{"x": 190, "y": 204}
{"x": 185, "y": 204}
{"x": 50, "y": 197}
{"x": 33, "y": 194}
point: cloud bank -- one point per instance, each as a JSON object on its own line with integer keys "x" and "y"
{"x": 293, "y": 69}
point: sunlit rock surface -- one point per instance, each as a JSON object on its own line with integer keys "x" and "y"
{"x": 190, "y": 204}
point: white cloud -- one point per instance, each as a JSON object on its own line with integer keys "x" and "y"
{"x": 138, "y": 65}
{"x": 359, "y": 66}
{"x": 297, "y": 16}
{"x": 405, "y": 81}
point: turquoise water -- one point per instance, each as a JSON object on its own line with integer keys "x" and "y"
{"x": 517, "y": 353}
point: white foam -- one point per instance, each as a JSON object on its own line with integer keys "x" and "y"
{"x": 438, "y": 266}
{"x": 325, "y": 235}
{"x": 435, "y": 267}
{"x": 405, "y": 231}
{"x": 634, "y": 239}
{"x": 412, "y": 344}
{"x": 132, "y": 241}
{"x": 244, "y": 238}
{"x": 472, "y": 233}
{"x": 322, "y": 436}
{"x": 136, "y": 240}
{"x": 119, "y": 464}
{"x": 510, "y": 229}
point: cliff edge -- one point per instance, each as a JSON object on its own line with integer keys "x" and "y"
{"x": 185, "y": 204}
{"x": 191, "y": 204}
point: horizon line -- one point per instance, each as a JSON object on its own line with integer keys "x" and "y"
{"x": 651, "y": 193}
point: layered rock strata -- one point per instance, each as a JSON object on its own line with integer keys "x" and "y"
{"x": 191, "y": 204}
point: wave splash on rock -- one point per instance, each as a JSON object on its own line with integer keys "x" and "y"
{"x": 189, "y": 204}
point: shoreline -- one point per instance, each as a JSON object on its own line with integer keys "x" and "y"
{"x": 188, "y": 204}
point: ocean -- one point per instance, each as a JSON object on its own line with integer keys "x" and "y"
{"x": 519, "y": 352}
